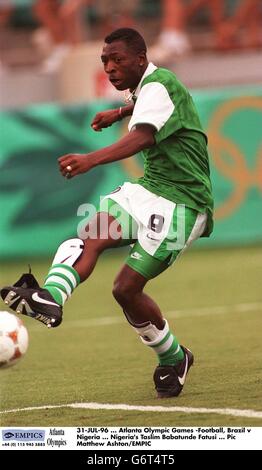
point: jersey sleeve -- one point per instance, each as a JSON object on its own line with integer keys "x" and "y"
{"x": 153, "y": 106}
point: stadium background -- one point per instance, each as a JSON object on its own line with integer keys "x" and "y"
{"x": 212, "y": 297}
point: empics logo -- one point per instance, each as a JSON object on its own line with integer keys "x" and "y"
{"x": 23, "y": 435}
{"x": 8, "y": 435}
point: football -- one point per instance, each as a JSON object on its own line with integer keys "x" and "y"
{"x": 13, "y": 339}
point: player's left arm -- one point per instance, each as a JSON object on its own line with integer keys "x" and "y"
{"x": 107, "y": 118}
{"x": 141, "y": 137}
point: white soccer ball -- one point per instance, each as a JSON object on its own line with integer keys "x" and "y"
{"x": 13, "y": 339}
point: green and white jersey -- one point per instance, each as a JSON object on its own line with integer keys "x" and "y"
{"x": 177, "y": 167}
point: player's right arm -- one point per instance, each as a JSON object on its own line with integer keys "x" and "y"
{"x": 141, "y": 137}
{"x": 107, "y": 118}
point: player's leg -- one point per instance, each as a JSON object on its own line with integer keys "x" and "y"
{"x": 137, "y": 306}
{"x": 74, "y": 261}
{"x": 141, "y": 311}
{"x": 144, "y": 315}
{"x": 78, "y": 257}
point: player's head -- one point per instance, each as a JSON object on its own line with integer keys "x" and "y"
{"x": 124, "y": 58}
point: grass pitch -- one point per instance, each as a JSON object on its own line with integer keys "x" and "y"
{"x": 213, "y": 301}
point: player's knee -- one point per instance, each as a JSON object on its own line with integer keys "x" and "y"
{"x": 69, "y": 252}
{"x": 124, "y": 291}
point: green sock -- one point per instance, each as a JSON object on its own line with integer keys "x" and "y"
{"x": 163, "y": 342}
{"x": 61, "y": 281}
{"x": 168, "y": 350}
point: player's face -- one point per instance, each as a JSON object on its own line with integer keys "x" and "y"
{"x": 123, "y": 66}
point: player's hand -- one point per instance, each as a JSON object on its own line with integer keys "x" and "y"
{"x": 105, "y": 119}
{"x": 73, "y": 164}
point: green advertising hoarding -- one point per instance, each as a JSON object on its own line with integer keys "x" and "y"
{"x": 233, "y": 121}
{"x": 39, "y": 208}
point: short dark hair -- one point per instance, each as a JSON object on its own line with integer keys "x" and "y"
{"x": 131, "y": 37}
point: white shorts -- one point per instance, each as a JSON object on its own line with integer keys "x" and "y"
{"x": 160, "y": 226}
